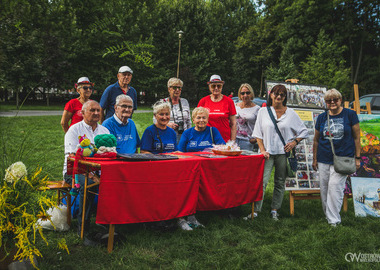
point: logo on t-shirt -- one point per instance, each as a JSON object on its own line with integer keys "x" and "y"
{"x": 336, "y": 127}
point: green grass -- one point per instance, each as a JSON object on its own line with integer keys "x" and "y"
{"x": 304, "y": 241}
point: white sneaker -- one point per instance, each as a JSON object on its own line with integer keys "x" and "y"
{"x": 249, "y": 217}
{"x": 274, "y": 215}
{"x": 194, "y": 223}
{"x": 183, "y": 225}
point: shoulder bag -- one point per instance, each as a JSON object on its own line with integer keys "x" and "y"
{"x": 342, "y": 165}
{"x": 291, "y": 161}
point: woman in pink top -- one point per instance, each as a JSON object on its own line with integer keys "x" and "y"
{"x": 73, "y": 109}
{"x": 222, "y": 109}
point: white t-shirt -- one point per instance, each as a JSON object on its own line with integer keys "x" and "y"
{"x": 72, "y": 140}
{"x": 245, "y": 121}
{"x": 289, "y": 124}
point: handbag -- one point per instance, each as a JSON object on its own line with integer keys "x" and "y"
{"x": 342, "y": 165}
{"x": 291, "y": 160}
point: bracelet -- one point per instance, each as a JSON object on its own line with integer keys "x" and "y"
{"x": 358, "y": 157}
{"x": 297, "y": 142}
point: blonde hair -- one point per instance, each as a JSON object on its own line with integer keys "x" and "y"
{"x": 333, "y": 93}
{"x": 199, "y": 110}
{"x": 249, "y": 87}
{"x": 161, "y": 105}
{"x": 174, "y": 80}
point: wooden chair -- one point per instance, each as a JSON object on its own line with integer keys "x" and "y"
{"x": 63, "y": 191}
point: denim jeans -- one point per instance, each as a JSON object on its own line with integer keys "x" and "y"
{"x": 279, "y": 164}
{"x": 89, "y": 203}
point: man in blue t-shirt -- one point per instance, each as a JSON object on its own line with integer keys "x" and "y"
{"x": 123, "y": 127}
{"x": 108, "y": 99}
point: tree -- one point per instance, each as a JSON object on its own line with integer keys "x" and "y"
{"x": 326, "y": 65}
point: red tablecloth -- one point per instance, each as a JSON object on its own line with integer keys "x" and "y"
{"x": 230, "y": 182}
{"x": 132, "y": 192}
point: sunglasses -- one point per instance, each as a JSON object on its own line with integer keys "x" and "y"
{"x": 176, "y": 87}
{"x": 245, "y": 93}
{"x": 329, "y": 101}
{"x": 216, "y": 86}
{"x": 280, "y": 94}
{"x": 87, "y": 88}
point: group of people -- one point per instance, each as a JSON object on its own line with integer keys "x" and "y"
{"x": 217, "y": 120}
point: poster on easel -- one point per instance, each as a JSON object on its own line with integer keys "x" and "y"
{"x": 302, "y": 95}
{"x": 366, "y": 195}
{"x": 305, "y": 178}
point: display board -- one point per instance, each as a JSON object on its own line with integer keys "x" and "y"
{"x": 302, "y": 95}
{"x": 306, "y": 177}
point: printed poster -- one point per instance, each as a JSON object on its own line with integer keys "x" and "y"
{"x": 366, "y": 196}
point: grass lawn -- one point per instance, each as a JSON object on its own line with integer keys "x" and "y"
{"x": 304, "y": 241}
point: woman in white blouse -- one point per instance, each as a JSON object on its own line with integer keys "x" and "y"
{"x": 246, "y": 117}
{"x": 293, "y": 131}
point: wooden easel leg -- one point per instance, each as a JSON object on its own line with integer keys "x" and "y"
{"x": 253, "y": 211}
{"x": 111, "y": 233}
{"x": 291, "y": 203}
{"x": 345, "y": 203}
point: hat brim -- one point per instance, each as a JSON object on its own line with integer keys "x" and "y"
{"x": 210, "y": 82}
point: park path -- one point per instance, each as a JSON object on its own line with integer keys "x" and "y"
{"x": 43, "y": 113}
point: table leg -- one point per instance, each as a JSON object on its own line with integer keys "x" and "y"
{"x": 111, "y": 233}
{"x": 253, "y": 210}
{"x": 291, "y": 202}
{"x": 84, "y": 205}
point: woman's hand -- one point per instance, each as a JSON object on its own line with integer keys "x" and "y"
{"x": 357, "y": 163}
{"x": 172, "y": 125}
{"x": 265, "y": 154}
{"x": 289, "y": 146}
{"x": 315, "y": 165}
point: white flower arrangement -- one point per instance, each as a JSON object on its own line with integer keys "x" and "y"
{"x": 15, "y": 171}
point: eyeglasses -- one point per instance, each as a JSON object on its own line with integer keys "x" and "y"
{"x": 216, "y": 86}
{"x": 87, "y": 88}
{"x": 329, "y": 101}
{"x": 245, "y": 93}
{"x": 282, "y": 95}
{"x": 126, "y": 107}
{"x": 176, "y": 87}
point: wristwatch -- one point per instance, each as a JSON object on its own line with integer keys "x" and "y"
{"x": 358, "y": 157}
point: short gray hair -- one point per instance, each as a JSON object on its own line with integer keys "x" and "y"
{"x": 161, "y": 105}
{"x": 121, "y": 97}
{"x": 199, "y": 110}
{"x": 87, "y": 103}
{"x": 333, "y": 93}
{"x": 174, "y": 80}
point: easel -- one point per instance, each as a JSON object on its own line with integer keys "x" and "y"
{"x": 295, "y": 195}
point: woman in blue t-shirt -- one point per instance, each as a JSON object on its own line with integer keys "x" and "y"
{"x": 159, "y": 138}
{"x": 201, "y": 136}
{"x": 345, "y": 133}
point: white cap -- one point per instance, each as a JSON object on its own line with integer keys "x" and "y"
{"x": 125, "y": 69}
{"x": 215, "y": 79}
{"x": 82, "y": 80}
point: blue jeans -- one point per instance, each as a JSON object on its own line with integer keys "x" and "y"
{"x": 246, "y": 145}
{"x": 89, "y": 204}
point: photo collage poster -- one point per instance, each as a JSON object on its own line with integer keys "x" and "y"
{"x": 302, "y": 95}
{"x": 306, "y": 177}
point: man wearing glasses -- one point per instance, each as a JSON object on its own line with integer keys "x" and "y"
{"x": 108, "y": 100}
{"x": 123, "y": 127}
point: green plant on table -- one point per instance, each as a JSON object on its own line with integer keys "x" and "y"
{"x": 23, "y": 200}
